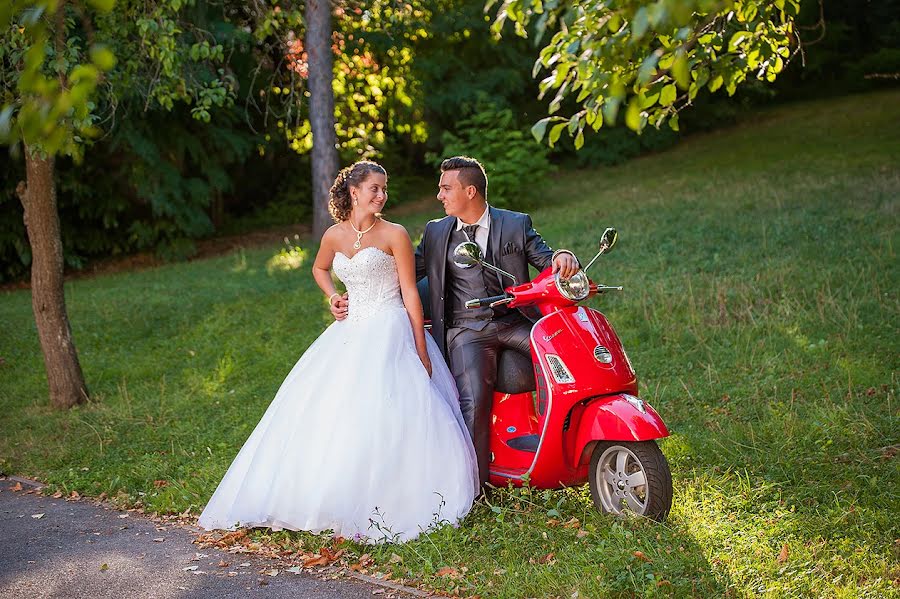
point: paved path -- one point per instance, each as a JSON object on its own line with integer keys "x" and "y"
{"x": 81, "y": 549}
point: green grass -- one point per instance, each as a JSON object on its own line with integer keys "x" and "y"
{"x": 761, "y": 310}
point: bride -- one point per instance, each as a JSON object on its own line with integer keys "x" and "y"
{"x": 364, "y": 437}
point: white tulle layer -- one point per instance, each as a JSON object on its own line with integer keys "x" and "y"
{"x": 358, "y": 440}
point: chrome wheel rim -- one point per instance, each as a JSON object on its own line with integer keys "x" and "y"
{"x": 622, "y": 481}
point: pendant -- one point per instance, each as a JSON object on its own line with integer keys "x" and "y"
{"x": 356, "y": 245}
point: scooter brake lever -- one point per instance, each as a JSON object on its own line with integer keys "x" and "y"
{"x": 501, "y": 302}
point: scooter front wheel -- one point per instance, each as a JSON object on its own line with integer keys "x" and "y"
{"x": 631, "y": 477}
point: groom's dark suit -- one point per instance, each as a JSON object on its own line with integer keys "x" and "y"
{"x": 471, "y": 339}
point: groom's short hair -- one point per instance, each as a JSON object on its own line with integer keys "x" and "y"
{"x": 471, "y": 172}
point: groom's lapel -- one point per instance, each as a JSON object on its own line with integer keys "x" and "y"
{"x": 493, "y": 253}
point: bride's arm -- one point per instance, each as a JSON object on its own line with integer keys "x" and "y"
{"x": 401, "y": 247}
{"x": 321, "y": 271}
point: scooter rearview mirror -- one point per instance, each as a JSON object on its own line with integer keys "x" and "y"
{"x": 467, "y": 254}
{"x": 607, "y": 241}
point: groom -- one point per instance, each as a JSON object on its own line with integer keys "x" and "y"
{"x": 471, "y": 339}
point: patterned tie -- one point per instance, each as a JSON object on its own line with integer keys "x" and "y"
{"x": 470, "y": 231}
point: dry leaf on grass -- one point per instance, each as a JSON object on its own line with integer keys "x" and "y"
{"x": 447, "y": 571}
{"x": 783, "y": 556}
{"x": 640, "y": 555}
{"x": 16, "y": 487}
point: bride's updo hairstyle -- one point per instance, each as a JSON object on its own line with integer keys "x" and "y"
{"x": 340, "y": 202}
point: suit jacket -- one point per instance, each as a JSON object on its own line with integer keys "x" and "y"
{"x": 512, "y": 243}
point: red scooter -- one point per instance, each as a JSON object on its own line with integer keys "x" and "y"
{"x": 572, "y": 413}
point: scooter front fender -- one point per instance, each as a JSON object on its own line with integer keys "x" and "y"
{"x": 619, "y": 417}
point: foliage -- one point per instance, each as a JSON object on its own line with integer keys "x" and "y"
{"x": 653, "y": 59}
{"x": 515, "y": 164}
{"x": 47, "y": 85}
{"x": 759, "y": 309}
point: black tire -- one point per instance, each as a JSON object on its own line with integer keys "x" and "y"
{"x": 614, "y": 487}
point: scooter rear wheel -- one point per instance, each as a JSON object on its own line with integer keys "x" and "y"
{"x": 631, "y": 477}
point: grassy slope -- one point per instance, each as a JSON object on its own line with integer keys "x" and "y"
{"x": 760, "y": 309}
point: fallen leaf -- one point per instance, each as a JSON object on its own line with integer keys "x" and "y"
{"x": 315, "y": 561}
{"x": 232, "y": 574}
{"x": 356, "y": 567}
{"x": 244, "y": 565}
{"x": 272, "y": 572}
{"x": 160, "y": 483}
{"x": 395, "y": 559}
{"x": 663, "y": 583}
{"x": 294, "y": 570}
{"x": 573, "y": 523}
{"x": 190, "y": 568}
{"x": 223, "y": 564}
{"x": 57, "y": 495}
{"x": 37, "y": 516}
{"x": 547, "y": 559}
{"x": 552, "y": 522}
{"x": 16, "y": 487}
{"x": 581, "y": 533}
{"x": 640, "y": 555}
{"x": 104, "y": 567}
{"x": 123, "y": 515}
{"x": 783, "y": 556}
{"x": 74, "y": 495}
{"x": 447, "y": 571}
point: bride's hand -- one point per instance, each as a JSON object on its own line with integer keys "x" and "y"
{"x": 426, "y": 361}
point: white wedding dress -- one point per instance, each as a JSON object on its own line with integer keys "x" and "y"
{"x": 358, "y": 440}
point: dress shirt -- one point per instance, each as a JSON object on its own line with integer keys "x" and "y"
{"x": 484, "y": 227}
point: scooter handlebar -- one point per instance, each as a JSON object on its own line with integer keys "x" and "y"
{"x": 486, "y": 301}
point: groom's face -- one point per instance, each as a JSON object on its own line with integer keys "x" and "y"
{"x": 455, "y": 196}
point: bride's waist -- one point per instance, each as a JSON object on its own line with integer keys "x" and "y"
{"x": 365, "y": 308}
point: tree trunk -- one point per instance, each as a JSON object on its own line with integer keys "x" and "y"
{"x": 321, "y": 110}
{"x": 48, "y": 301}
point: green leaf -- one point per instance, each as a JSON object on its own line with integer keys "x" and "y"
{"x": 555, "y": 132}
{"x": 680, "y": 70}
{"x": 633, "y": 115}
{"x": 716, "y": 82}
{"x": 539, "y": 128}
{"x": 103, "y": 58}
{"x": 579, "y": 140}
{"x": 639, "y": 23}
{"x": 673, "y": 122}
{"x": 667, "y": 95}
{"x": 102, "y": 5}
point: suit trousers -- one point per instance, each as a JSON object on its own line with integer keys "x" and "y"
{"x": 473, "y": 361}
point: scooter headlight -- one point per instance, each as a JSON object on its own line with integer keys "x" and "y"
{"x": 576, "y": 288}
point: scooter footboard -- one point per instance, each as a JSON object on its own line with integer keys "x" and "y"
{"x": 619, "y": 417}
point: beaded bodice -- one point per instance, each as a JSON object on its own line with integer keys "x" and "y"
{"x": 371, "y": 279}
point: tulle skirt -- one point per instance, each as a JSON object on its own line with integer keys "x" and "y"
{"x": 358, "y": 440}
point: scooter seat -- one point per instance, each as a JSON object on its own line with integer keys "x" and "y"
{"x": 515, "y": 373}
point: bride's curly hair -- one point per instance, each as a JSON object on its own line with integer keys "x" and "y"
{"x": 340, "y": 202}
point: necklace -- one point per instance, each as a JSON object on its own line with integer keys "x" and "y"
{"x": 359, "y": 233}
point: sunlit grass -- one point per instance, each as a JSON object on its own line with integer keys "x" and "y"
{"x": 760, "y": 310}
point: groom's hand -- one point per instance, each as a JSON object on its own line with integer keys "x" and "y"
{"x": 339, "y": 307}
{"x": 565, "y": 264}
